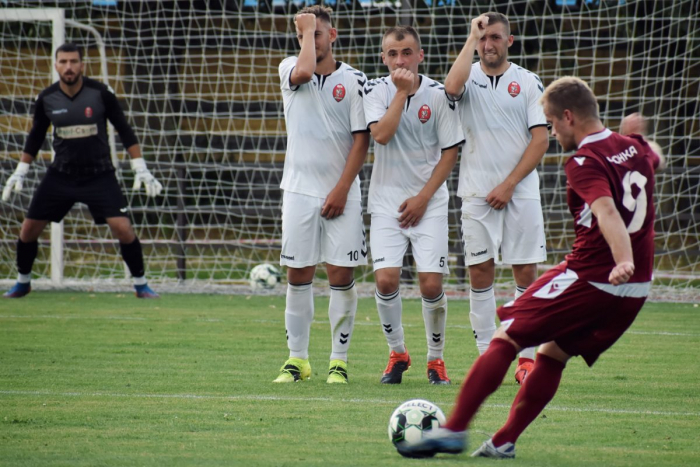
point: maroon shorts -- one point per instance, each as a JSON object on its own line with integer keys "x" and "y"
{"x": 582, "y": 319}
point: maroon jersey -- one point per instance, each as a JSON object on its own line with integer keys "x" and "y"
{"x": 621, "y": 167}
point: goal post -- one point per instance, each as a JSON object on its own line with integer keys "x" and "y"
{"x": 198, "y": 81}
{"x": 56, "y": 16}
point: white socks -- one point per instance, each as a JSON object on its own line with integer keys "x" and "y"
{"x": 389, "y": 308}
{"x": 482, "y": 304}
{"x": 140, "y": 280}
{"x": 298, "y": 316}
{"x": 341, "y": 313}
{"x": 434, "y": 317}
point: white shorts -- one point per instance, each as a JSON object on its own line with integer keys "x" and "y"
{"x": 428, "y": 239}
{"x": 309, "y": 239}
{"x": 515, "y": 233}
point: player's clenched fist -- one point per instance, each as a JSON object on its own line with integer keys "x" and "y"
{"x": 634, "y": 123}
{"x": 403, "y": 79}
{"x": 305, "y": 22}
{"x": 479, "y": 26}
{"x": 621, "y": 273}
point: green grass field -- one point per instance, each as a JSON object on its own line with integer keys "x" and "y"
{"x": 105, "y": 379}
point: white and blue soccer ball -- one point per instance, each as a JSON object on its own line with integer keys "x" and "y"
{"x": 413, "y": 418}
{"x": 264, "y": 277}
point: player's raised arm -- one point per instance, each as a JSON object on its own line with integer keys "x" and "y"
{"x": 461, "y": 68}
{"x": 385, "y": 129}
{"x": 635, "y": 123}
{"x": 306, "y": 34}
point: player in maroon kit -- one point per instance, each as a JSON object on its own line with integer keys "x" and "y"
{"x": 583, "y": 305}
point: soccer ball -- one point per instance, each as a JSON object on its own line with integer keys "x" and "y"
{"x": 264, "y": 277}
{"x": 412, "y": 418}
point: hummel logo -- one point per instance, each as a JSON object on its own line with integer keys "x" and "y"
{"x": 387, "y": 328}
{"x": 364, "y": 253}
{"x": 367, "y": 91}
{"x": 483, "y": 86}
{"x": 123, "y": 209}
{"x": 60, "y": 111}
{"x": 479, "y": 253}
{"x": 344, "y": 338}
{"x": 361, "y": 83}
{"x": 291, "y": 258}
{"x": 379, "y": 260}
{"x": 436, "y": 337}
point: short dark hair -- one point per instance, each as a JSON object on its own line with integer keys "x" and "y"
{"x": 570, "y": 93}
{"x": 401, "y": 32}
{"x": 495, "y": 18}
{"x": 70, "y": 47}
{"x": 321, "y": 12}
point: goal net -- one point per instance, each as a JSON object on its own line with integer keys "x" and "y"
{"x": 198, "y": 81}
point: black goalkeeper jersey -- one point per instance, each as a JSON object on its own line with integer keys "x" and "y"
{"x": 79, "y": 127}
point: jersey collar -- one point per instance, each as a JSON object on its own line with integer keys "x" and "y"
{"x": 595, "y": 137}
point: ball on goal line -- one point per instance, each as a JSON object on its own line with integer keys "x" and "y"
{"x": 413, "y": 418}
{"x": 264, "y": 277}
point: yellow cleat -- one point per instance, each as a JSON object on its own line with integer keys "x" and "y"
{"x": 337, "y": 372}
{"x": 293, "y": 370}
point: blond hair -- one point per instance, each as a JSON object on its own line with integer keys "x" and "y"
{"x": 570, "y": 93}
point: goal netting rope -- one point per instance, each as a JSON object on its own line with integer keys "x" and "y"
{"x": 198, "y": 81}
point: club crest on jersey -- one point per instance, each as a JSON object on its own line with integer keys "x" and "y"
{"x": 424, "y": 113}
{"x": 338, "y": 92}
{"x": 88, "y": 112}
{"x": 513, "y": 89}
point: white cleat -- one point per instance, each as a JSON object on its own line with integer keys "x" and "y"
{"x": 507, "y": 451}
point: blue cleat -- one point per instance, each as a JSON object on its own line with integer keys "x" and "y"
{"x": 144, "y": 291}
{"x": 19, "y": 290}
{"x": 434, "y": 442}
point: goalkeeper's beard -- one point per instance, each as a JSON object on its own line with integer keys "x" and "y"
{"x": 71, "y": 82}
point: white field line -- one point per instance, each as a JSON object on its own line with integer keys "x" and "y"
{"x": 390, "y": 402}
{"x": 279, "y": 321}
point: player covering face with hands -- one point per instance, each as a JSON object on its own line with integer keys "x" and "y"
{"x": 327, "y": 143}
{"x": 417, "y": 135}
{"x": 583, "y": 305}
{"x": 82, "y": 170}
{"x": 502, "y": 219}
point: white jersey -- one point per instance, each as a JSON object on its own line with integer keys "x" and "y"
{"x": 429, "y": 124}
{"x": 497, "y": 118}
{"x": 321, "y": 117}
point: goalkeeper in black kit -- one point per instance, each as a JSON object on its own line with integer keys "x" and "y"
{"x": 82, "y": 171}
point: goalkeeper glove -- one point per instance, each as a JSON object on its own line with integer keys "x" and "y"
{"x": 143, "y": 175}
{"x": 16, "y": 180}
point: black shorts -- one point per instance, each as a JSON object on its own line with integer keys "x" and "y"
{"x": 57, "y": 193}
